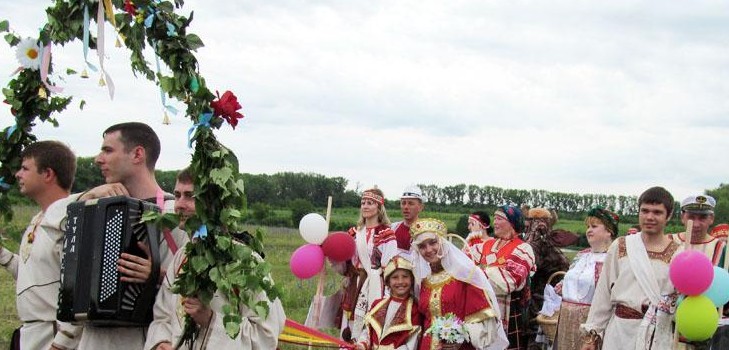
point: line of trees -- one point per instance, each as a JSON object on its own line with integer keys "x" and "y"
{"x": 281, "y": 189}
{"x": 475, "y": 196}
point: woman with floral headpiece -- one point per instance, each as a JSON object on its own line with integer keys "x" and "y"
{"x": 578, "y": 285}
{"x": 375, "y": 245}
{"x": 509, "y": 263}
{"x": 452, "y": 288}
{"x": 394, "y": 322}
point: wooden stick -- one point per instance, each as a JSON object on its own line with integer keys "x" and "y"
{"x": 675, "y": 335}
{"x": 689, "y": 234}
{"x": 726, "y": 255}
{"x": 319, "y": 296}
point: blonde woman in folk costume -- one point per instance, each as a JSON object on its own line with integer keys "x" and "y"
{"x": 450, "y": 282}
{"x": 375, "y": 246}
{"x": 578, "y": 286}
{"x": 394, "y": 322}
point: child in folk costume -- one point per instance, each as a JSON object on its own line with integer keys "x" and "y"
{"x": 479, "y": 231}
{"x": 375, "y": 245}
{"x": 450, "y": 283}
{"x": 394, "y": 322}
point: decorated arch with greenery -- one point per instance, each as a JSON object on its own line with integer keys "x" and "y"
{"x": 214, "y": 261}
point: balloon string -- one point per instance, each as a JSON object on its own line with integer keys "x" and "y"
{"x": 322, "y": 276}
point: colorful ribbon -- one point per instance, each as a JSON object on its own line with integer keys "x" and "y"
{"x": 100, "y": 50}
{"x": 162, "y": 95}
{"x": 201, "y": 232}
{"x": 150, "y": 17}
{"x": 45, "y": 63}
{"x": 86, "y": 39}
{"x": 204, "y": 121}
{"x": 9, "y": 132}
{"x": 4, "y": 185}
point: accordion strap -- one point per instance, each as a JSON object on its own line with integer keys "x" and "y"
{"x": 166, "y": 232}
{"x": 170, "y": 241}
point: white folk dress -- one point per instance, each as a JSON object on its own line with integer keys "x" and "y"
{"x": 578, "y": 288}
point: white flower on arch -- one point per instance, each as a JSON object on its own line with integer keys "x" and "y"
{"x": 28, "y": 53}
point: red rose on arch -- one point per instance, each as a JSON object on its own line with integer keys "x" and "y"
{"x": 130, "y": 8}
{"x": 227, "y": 106}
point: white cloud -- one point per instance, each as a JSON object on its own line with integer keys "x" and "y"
{"x": 572, "y": 96}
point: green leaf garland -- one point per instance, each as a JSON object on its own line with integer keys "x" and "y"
{"x": 214, "y": 263}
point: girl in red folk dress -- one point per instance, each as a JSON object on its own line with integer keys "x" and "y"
{"x": 450, "y": 283}
{"x": 393, "y": 323}
{"x": 375, "y": 245}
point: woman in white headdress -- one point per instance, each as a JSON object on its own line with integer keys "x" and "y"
{"x": 450, "y": 282}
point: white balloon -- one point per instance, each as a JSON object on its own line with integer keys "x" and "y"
{"x": 313, "y": 228}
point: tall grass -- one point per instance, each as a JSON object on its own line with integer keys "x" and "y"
{"x": 279, "y": 243}
{"x": 10, "y": 233}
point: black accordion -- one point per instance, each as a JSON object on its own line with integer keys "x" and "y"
{"x": 97, "y": 232}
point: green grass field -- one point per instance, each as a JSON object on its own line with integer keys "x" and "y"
{"x": 279, "y": 245}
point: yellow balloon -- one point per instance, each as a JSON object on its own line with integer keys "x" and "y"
{"x": 697, "y": 318}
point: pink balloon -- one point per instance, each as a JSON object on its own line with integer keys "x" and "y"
{"x": 339, "y": 246}
{"x": 307, "y": 261}
{"x": 691, "y": 272}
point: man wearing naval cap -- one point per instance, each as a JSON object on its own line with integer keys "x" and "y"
{"x": 700, "y": 209}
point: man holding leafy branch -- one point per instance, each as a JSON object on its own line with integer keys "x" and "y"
{"x": 170, "y": 307}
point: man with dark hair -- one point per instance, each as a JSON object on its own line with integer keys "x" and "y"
{"x": 170, "y": 308}
{"x": 45, "y": 176}
{"x": 128, "y": 156}
{"x": 135, "y": 134}
{"x": 634, "y": 300}
{"x": 184, "y": 196}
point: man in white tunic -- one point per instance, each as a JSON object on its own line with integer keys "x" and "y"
{"x": 45, "y": 176}
{"x": 127, "y": 159}
{"x": 170, "y": 308}
{"x": 634, "y": 299}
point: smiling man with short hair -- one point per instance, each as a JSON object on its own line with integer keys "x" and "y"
{"x": 634, "y": 300}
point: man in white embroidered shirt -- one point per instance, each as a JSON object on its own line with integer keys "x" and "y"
{"x": 45, "y": 176}
{"x": 634, "y": 299}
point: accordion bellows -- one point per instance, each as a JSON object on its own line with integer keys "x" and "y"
{"x": 97, "y": 232}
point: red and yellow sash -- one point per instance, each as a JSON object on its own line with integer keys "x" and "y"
{"x": 501, "y": 255}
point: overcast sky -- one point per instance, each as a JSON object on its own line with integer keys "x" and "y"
{"x": 572, "y": 96}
